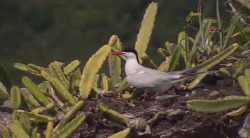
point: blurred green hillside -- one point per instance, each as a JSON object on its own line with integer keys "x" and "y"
{"x": 40, "y": 31}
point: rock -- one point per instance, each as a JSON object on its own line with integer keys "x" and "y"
{"x": 244, "y": 132}
{"x": 138, "y": 123}
{"x": 187, "y": 95}
{"x": 214, "y": 94}
{"x": 175, "y": 114}
{"x": 225, "y": 82}
{"x": 194, "y": 92}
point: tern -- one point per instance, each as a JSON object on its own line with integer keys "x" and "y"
{"x": 150, "y": 79}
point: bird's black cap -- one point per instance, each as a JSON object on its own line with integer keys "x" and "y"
{"x": 130, "y": 50}
{"x": 133, "y": 51}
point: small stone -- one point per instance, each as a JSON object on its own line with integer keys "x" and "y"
{"x": 225, "y": 82}
{"x": 194, "y": 92}
{"x": 214, "y": 94}
{"x": 187, "y": 95}
{"x": 138, "y": 123}
{"x": 175, "y": 113}
{"x": 244, "y": 132}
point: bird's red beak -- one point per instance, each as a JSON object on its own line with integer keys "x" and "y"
{"x": 119, "y": 53}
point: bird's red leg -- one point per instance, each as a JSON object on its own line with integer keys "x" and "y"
{"x": 145, "y": 96}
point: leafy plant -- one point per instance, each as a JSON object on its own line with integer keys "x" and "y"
{"x": 3, "y": 93}
{"x": 145, "y": 31}
{"x": 63, "y": 88}
{"x": 228, "y": 102}
{"x": 115, "y": 63}
{"x": 91, "y": 68}
{"x": 122, "y": 134}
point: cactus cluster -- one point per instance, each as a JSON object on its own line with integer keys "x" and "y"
{"x": 228, "y": 102}
{"x": 41, "y": 103}
{"x": 64, "y": 88}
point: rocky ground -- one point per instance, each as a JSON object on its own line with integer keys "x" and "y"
{"x": 169, "y": 116}
{"x": 166, "y": 116}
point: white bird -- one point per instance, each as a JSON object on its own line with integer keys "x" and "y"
{"x": 151, "y": 79}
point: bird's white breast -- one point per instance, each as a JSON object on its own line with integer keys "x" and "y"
{"x": 131, "y": 67}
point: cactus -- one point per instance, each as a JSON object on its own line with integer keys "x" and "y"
{"x": 199, "y": 38}
{"x": 5, "y": 78}
{"x": 219, "y": 105}
{"x": 74, "y": 80}
{"x": 245, "y": 3}
{"x": 34, "y": 132}
{"x": 42, "y": 109}
{"x": 95, "y": 84}
{"x": 63, "y": 91}
{"x": 169, "y": 49}
{"x": 4, "y": 132}
{"x": 247, "y": 74}
{"x": 38, "y": 135}
{"x": 69, "y": 115}
{"x": 35, "y": 117}
{"x": 3, "y": 93}
{"x": 237, "y": 112}
{"x": 62, "y": 83}
{"x": 55, "y": 69}
{"x": 212, "y": 62}
{"x": 127, "y": 96}
{"x": 34, "y": 89}
{"x": 72, "y": 66}
{"x": 112, "y": 114}
{"x": 145, "y": 31}
{"x": 244, "y": 82}
{"x": 174, "y": 61}
{"x": 44, "y": 86}
{"x": 15, "y": 115}
{"x": 17, "y": 130}
{"x": 21, "y": 67}
{"x": 70, "y": 127}
{"x": 124, "y": 85}
{"x": 25, "y": 123}
{"x": 16, "y": 97}
{"x": 184, "y": 47}
{"x": 91, "y": 68}
{"x": 34, "y": 69}
{"x": 48, "y": 132}
{"x": 163, "y": 52}
{"x": 46, "y": 75}
{"x": 115, "y": 62}
{"x": 164, "y": 66}
{"x": 148, "y": 61}
{"x": 122, "y": 134}
{"x": 105, "y": 83}
{"x": 56, "y": 99}
{"x": 172, "y": 55}
{"x": 29, "y": 98}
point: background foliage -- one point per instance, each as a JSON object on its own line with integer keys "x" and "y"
{"x": 45, "y": 30}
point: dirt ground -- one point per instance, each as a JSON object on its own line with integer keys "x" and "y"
{"x": 170, "y": 117}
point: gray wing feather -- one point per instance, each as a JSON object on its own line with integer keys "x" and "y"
{"x": 170, "y": 76}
